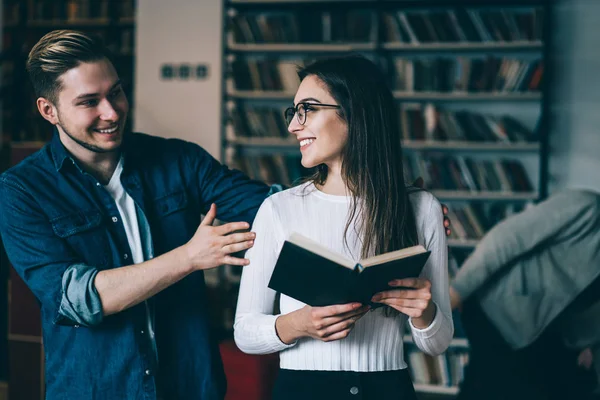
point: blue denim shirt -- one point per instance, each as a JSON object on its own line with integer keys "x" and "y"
{"x": 54, "y": 216}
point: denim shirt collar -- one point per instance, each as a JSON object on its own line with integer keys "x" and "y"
{"x": 60, "y": 154}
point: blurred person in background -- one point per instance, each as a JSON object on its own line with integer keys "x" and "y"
{"x": 529, "y": 297}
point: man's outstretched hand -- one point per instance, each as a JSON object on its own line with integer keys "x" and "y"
{"x": 420, "y": 183}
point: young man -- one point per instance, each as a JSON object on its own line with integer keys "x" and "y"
{"x": 77, "y": 216}
{"x": 102, "y": 225}
{"x": 530, "y": 300}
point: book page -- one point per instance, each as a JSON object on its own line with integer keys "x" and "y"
{"x": 394, "y": 255}
{"x": 311, "y": 245}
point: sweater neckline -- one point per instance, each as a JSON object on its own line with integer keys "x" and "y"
{"x": 326, "y": 196}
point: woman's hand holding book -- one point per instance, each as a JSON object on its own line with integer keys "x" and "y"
{"x": 412, "y": 297}
{"x": 322, "y": 323}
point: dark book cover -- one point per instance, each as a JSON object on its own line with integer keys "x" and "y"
{"x": 319, "y": 281}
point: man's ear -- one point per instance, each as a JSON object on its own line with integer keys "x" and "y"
{"x": 48, "y": 110}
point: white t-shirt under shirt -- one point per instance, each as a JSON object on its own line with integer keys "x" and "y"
{"x": 128, "y": 213}
{"x": 375, "y": 343}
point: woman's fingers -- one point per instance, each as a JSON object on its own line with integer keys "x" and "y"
{"x": 404, "y": 303}
{"x": 413, "y": 283}
{"x": 320, "y": 323}
{"x": 402, "y": 294}
{"x": 338, "y": 336}
{"x": 330, "y": 333}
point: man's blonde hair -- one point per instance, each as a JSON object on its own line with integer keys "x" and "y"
{"x": 56, "y": 53}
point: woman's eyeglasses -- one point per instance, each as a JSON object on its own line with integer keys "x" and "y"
{"x": 301, "y": 109}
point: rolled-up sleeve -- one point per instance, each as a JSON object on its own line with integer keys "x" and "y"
{"x": 80, "y": 302}
{"x": 62, "y": 284}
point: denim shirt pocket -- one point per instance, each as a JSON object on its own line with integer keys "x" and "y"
{"x": 170, "y": 203}
{"x": 173, "y": 219}
{"x": 83, "y": 231}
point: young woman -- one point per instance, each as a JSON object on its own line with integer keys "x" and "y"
{"x": 345, "y": 120}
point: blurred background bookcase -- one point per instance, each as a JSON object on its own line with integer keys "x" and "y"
{"x": 471, "y": 83}
{"x": 23, "y": 132}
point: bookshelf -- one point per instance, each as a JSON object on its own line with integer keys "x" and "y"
{"x": 23, "y": 132}
{"x": 470, "y": 79}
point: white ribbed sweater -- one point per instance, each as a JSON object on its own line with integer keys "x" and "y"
{"x": 375, "y": 343}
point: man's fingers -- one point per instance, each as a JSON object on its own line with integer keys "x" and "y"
{"x": 238, "y": 238}
{"x": 210, "y": 216}
{"x": 231, "y": 227}
{"x": 234, "y": 248}
{"x": 235, "y": 260}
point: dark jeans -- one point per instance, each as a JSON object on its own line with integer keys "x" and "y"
{"x": 341, "y": 385}
{"x": 545, "y": 370}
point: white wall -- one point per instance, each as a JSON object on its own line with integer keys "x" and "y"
{"x": 179, "y": 31}
{"x": 575, "y": 133}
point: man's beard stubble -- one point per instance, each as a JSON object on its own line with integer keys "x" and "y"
{"x": 86, "y": 145}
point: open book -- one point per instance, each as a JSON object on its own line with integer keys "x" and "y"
{"x": 317, "y": 276}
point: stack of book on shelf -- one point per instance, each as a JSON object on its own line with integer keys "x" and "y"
{"x": 468, "y": 174}
{"x": 467, "y": 74}
{"x": 274, "y": 168}
{"x": 431, "y": 123}
{"x": 265, "y": 75}
{"x": 442, "y": 373}
{"x": 308, "y": 26}
{"x": 445, "y": 370}
{"x": 458, "y": 25}
{"x": 470, "y": 221}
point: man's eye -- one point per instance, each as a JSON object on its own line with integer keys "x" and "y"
{"x": 89, "y": 103}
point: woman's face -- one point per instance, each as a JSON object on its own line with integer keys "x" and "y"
{"x": 323, "y": 135}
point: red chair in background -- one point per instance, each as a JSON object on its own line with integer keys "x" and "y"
{"x": 249, "y": 377}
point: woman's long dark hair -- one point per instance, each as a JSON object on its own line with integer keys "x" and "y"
{"x": 372, "y": 158}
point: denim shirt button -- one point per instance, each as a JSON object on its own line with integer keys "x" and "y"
{"x": 142, "y": 332}
{"x": 115, "y": 219}
{"x": 148, "y": 372}
{"x": 354, "y": 390}
{"x": 125, "y": 256}
{"x": 98, "y": 184}
{"x": 76, "y": 325}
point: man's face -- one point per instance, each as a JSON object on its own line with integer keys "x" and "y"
{"x": 92, "y": 108}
